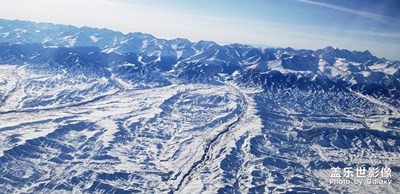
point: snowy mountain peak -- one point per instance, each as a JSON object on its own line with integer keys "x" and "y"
{"x": 87, "y": 110}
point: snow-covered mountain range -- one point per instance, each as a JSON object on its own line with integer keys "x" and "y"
{"x": 89, "y": 110}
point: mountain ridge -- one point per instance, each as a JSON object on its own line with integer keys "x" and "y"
{"x": 132, "y": 34}
{"x": 205, "y": 60}
{"x": 86, "y": 110}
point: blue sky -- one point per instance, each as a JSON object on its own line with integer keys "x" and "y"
{"x": 352, "y": 24}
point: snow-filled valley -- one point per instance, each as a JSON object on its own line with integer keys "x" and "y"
{"x": 130, "y": 113}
